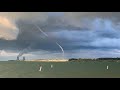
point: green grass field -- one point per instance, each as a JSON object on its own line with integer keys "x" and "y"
{"x": 21, "y": 69}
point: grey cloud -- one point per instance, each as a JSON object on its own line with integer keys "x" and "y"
{"x": 102, "y": 36}
{"x": 78, "y": 15}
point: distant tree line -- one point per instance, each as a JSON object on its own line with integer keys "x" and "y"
{"x": 98, "y": 59}
{"x": 108, "y": 58}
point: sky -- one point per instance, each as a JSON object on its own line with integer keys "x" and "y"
{"x": 80, "y": 34}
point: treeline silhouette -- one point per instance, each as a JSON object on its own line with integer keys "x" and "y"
{"x": 95, "y": 59}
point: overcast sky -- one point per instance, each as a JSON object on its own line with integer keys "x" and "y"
{"x": 81, "y": 34}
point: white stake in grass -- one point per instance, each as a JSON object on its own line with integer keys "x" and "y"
{"x": 40, "y": 68}
{"x": 51, "y": 66}
{"x": 107, "y": 67}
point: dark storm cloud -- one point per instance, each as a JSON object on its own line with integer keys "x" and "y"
{"x": 30, "y": 36}
{"x": 56, "y": 23}
{"x": 104, "y": 15}
{"x": 103, "y": 34}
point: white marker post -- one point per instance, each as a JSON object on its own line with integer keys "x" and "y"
{"x": 51, "y": 66}
{"x": 107, "y": 67}
{"x": 40, "y": 68}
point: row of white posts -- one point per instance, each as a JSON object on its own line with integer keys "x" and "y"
{"x": 40, "y": 69}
